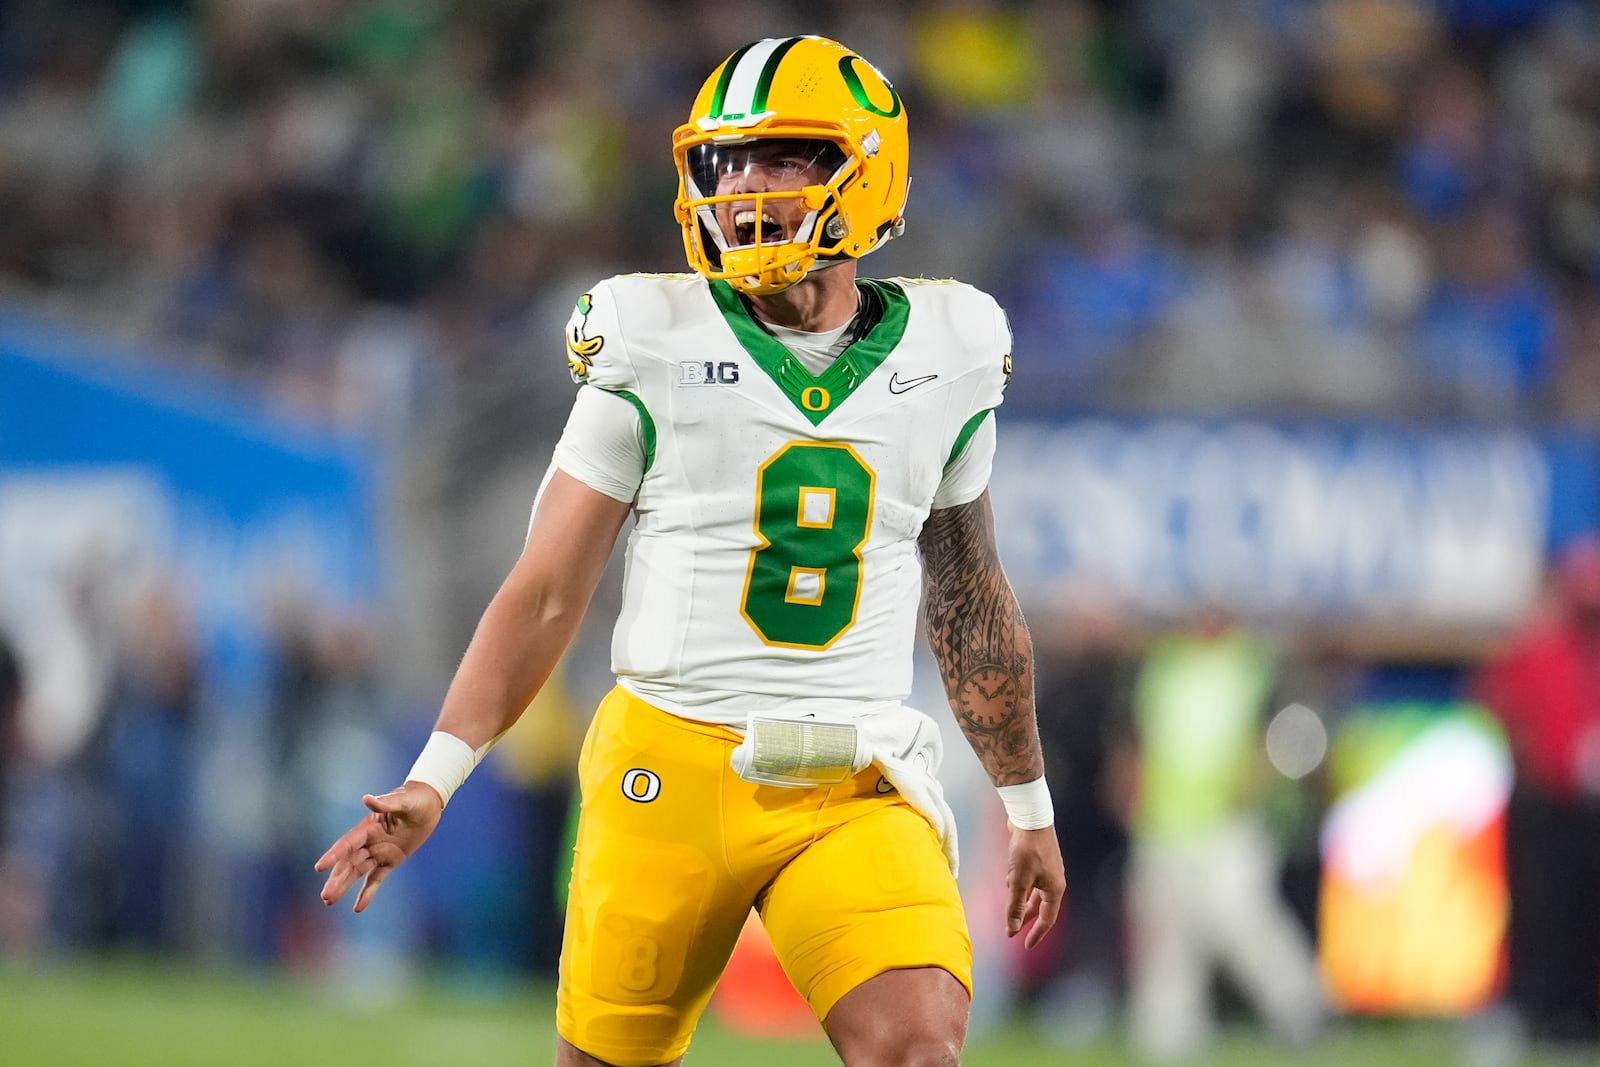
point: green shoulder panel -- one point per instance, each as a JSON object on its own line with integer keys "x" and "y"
{"x": 969, "y": 428}
{"x": 647, "y": 426}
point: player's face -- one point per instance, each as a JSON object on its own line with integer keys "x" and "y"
{"x": 764, "y": 167}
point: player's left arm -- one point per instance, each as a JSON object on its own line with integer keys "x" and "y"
{"x": 985, "y": 654}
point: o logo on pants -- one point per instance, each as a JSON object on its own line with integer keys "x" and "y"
{"x": 641, "y": 785}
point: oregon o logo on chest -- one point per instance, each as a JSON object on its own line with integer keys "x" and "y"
{"x": 815, "y": 398}
{"x": 640, "y": 785}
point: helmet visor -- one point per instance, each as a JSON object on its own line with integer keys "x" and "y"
{"x": 761, "y": 163}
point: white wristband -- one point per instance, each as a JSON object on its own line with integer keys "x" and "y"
{"x": 1028, "y": 805}
{"x": 444, "y": 763}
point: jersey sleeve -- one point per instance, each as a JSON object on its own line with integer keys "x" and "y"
{"x": 995, "y": 363}
{"x": 967, "y": 475}
{"x": 603, "y": 445}
{"x": 971, "y": 459}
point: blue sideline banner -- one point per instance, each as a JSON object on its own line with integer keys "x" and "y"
{"x": 115, "y": 466}
{"x": 1335, "y": 521}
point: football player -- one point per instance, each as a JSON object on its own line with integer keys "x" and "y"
{"x": 805, "y": 455}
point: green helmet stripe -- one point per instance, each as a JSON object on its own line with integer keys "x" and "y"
{"x": 720, "y": 96}
{"x": 747, "y": 79}
{"x": 770, "y": 71}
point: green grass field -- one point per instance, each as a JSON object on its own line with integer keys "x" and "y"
{"x": 130, "y": 1015}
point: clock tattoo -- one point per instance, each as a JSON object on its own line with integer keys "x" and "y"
{"x": 987, "y": 697}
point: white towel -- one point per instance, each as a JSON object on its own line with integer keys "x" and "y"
{"x": 907, "y": 748}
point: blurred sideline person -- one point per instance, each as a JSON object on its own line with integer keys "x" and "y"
{"x": 1544, "y": 685}
{"x": 789, "y": 439}
{"x": 1084, "y": 691}
{"x": 10, "y": 732}
{"x": 18, "y": 907}
{"x": 1203, "y": 889}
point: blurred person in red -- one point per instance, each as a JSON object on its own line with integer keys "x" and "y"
{"x": 1544, "y": 685}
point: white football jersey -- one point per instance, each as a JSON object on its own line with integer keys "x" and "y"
{"x": 774, "y": 558}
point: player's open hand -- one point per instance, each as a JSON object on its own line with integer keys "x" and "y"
{"x": 398, "y": 825}
{"x": 1035, "y": 884}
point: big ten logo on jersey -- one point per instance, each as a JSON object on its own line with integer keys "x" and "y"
{"x": 708, "y": 372}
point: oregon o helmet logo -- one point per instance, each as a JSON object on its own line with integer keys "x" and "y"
{"x": 641, "y": 785}
{"x": 847, "y": 67}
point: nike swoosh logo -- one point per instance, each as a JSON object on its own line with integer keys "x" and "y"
{"x": 883, "y": 785}
{"x": 898, "y": 385}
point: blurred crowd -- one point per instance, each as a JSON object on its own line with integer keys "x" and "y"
{"x": 375, "y": 206}
{"x": 379, "y": 212}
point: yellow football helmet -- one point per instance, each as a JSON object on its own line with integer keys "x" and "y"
{"x": 818, "y": 98}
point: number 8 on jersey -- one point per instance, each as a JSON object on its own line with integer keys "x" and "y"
{"x": 813, "y": 514}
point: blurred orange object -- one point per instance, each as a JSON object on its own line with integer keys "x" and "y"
{"x": 755, "y": 997}
{"x": 1414, "y": 903}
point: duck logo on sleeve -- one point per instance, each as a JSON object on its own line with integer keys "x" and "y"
{"x": 581, "y": 348}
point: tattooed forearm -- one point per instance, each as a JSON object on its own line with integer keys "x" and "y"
{"x": 980, "y": 641}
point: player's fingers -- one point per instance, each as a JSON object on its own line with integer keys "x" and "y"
{"x": 1030, "y": 913}
{"x": 1047, "y": 912}
{"x": 338, "y": 884}
{"x": 394, "y": 802}
{"x": 1016, "y": 906}
{"x": 1030, "y": 909}
{"x": 391, "y": 810}
{"x": 350, "y": 866}
{"x": 339, "y": 850}
{"x": 351, "y": 842}
{"x": 387, "y": 854}
{"x": 369, "y": 888}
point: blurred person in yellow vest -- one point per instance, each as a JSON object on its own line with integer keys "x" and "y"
{"x": 1203, "y": 891}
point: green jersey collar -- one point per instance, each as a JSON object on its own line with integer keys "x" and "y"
{"x": 818, "y": 395}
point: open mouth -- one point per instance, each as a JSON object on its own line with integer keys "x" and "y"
{"x": 748, "y": 227}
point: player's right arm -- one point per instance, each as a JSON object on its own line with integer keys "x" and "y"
{"x": 521, "y": 635}
{"x": 599, "y": 463}
{"x": 985, "y": 655}
{"x": 536, "y": 612}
